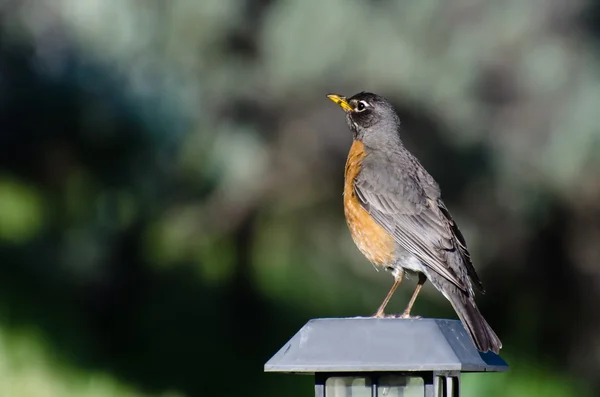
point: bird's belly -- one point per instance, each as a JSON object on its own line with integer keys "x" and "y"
{"x": 370, "y": 238}
{"x": 408, "y": 261}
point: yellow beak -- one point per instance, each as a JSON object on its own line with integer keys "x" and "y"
{"x": 342, "y": 101}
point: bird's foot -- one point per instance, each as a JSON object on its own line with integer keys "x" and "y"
{"x": 403, "y": 315}
{"x": 407, "y": 315}
{"x": 379, "y": 314}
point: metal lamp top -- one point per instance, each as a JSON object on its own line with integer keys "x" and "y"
{"x": 363, "y": 344}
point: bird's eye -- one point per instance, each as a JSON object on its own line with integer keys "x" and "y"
{"x": 361, "y": 106}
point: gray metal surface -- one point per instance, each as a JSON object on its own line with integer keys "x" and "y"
{"x": 368, "y": 344}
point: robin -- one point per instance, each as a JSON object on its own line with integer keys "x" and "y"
{"x": 398, "y": 220}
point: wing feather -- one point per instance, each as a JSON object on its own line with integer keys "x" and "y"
{"x": 408, "y": 206}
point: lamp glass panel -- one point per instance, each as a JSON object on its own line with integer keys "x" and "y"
{"x": 348, "y": 386}
{"x": 400, "y": 386}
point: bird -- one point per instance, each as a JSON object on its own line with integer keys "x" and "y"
{"x": 397, "y": 219}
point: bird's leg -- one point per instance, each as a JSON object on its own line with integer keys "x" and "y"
{"x": 412, "y": 300}
{"x": 398, "y": 276}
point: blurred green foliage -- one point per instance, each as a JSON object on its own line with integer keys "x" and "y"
{"x": 171, "y": 177}
{"x": 21, "y": 212}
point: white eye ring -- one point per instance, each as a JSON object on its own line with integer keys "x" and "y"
{"x": 361, "y": 106}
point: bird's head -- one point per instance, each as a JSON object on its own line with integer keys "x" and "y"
{"x": 371, "y": 118}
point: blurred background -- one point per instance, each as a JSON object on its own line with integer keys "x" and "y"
{"x": 171, "y": 176}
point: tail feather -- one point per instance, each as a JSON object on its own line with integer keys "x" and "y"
{"x": 481, "y": 333}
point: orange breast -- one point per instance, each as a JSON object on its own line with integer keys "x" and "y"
{"x": 370, "y": 238}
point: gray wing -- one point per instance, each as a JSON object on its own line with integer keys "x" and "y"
{"x": 405, "y": 200}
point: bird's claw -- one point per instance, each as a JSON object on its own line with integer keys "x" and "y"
{"x": 408, "y": 316}
{"x": 403, "y": 315}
